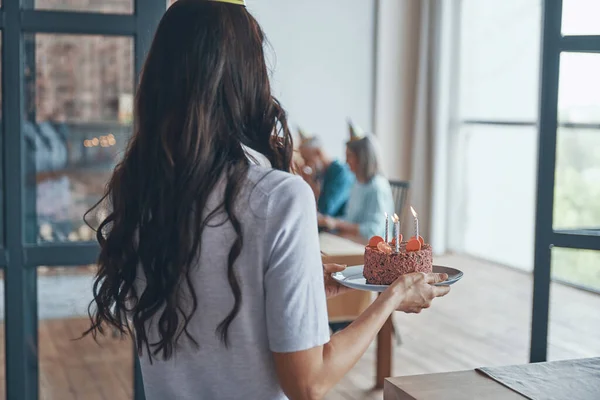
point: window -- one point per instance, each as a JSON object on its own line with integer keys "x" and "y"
{"x": 79, "y": 120}
{"x": 493, "y": 173}
{"x": 96, "y": 6}
{"x": 76, "y": 98}
{"x": 574, "y": 321}
{"x": 499, "y": 60}
{"x": 580, "y": 17}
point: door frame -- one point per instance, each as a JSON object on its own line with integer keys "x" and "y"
{"x": 553, "y": 44}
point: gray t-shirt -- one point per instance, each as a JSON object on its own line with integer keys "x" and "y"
{"x": 283, "y": 299}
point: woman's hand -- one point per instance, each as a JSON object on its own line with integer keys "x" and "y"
{"x": 327, "y": 222}
{"x": 416, "y": 291}
{"x": 332, "y": 287}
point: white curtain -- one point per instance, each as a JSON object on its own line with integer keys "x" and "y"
{"x": 412, "y": 105}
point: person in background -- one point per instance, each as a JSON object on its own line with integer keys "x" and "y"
{"x": 331, "y": 180}
{"x": 371, "y": 195}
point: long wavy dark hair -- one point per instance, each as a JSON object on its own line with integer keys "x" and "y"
{"x": 204, "y": 92}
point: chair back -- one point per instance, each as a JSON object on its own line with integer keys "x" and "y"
{"x": 400, "y": 195}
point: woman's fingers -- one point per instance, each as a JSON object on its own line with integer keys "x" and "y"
{"x": 332, "y": 287}
{"x": 333, "y": 268}
{"x": 435, "y": 278}
{"x": 420, "y": 291}
{"x": 441, "y": 291}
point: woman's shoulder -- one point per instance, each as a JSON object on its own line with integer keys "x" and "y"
{"x": 340, "y": 166}
{"x": 273, "y": 189}
{"x": 380, "y": 182}
{"x": 268, "y": 180}
{"x": 378, "y": 186}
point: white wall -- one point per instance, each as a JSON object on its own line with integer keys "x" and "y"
{"x": 322, "y": 62}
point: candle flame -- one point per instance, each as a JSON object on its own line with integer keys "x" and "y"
{"x": 396, "y": 218}
{"x": 386, "y": 216}
{"x": 414, "y": 213}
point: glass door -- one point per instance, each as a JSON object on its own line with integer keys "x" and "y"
{"x": 69, "y": 72}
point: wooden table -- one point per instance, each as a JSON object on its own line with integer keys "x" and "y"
{"x": 448, "y": 386}
{"x": 350, "y": 251}
{"x": 565, "y": 379}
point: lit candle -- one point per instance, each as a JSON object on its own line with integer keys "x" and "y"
{"x": 414, "y": 213}
{"x": 386, "y": 227}
{"x": 397, "y": 232}
{"x": 393, "y": 228}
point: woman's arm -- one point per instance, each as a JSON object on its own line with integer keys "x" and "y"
{"x": 308, "y": 361}
{"x": 310, "y": 374}
{"x": 336, "y": 224}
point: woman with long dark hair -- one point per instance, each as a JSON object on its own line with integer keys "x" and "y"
{"x": 210, "y": 255}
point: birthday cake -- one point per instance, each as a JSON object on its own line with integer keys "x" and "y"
{"x": 386, "y": 261}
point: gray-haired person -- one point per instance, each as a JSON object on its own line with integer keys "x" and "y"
{"x": 371, "y": 195}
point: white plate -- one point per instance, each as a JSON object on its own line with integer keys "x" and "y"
{"x": 352, "y": 277}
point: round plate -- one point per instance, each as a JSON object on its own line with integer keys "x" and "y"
{"x": 352, "y": 277}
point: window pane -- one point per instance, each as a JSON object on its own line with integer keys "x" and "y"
{"x": 574, "y": 318}
{"x": 580, "y": 17}
{"x": 580, "y": 267}
{"x": 77, "y": 369}
{"x": 493, "y": 195}
{"x": 98, "y": 6}
{"x": 576, "y": 190}
{"x": 579, "y": 88}
{"x": 79, "y": 111}
{"x": 499, "y": 60}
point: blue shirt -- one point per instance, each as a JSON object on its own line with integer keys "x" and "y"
{"x": 368, "y": 204}
{"x": 335, "y": 189}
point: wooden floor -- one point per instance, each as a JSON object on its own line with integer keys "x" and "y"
{"x": 79, "y": 369}
{"x": 485, "y": 321}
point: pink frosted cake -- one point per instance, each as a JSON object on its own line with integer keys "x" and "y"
{"x": 383, "y": 265}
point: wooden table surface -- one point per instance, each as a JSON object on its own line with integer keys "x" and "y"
{"x": 350, "y": 251}
{"x": 342, "y": 250}
{"x": 448, "y": 386}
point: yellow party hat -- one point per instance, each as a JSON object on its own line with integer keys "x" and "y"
{"x": 237, "y": 2}
{"x": 304, "y": 137}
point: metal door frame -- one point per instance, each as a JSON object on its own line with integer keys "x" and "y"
{"x": 553, "y": 44}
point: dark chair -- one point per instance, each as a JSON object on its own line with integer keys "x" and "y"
{"x": 400, "y": 195}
